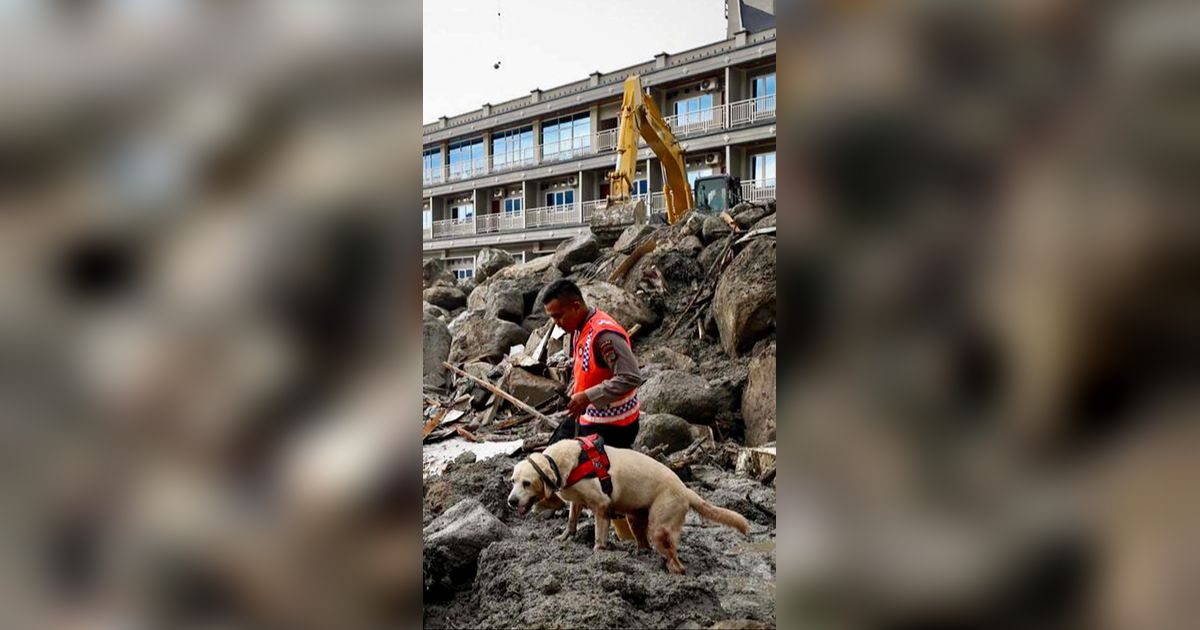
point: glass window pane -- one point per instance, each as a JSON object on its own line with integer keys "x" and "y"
{"x": 569, "y": 196}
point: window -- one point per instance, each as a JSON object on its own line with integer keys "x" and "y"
{"x": 763, "y": 91}
{"x": 512, "y": 206}
{"x": 567, "y": 137}
{"x": 562, "y": 197}
{"x": 466, "y": 158}
{"x": 462, "y": 212}
{"x": 696, "y": 173}
{"x": 512, "y": 147}
{"x": 431, "y": 164}
{"x": 693, "y": 110}
{"x": 763, "y": 169}
{"x": 463, "y": 274}
{"x": 640, "y": 186}
{"x": 426, "y": 219}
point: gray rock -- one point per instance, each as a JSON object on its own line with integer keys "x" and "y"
{"x": 573, "y": 251}
{"x": 667, "y": 357}
{"x": 625, "y": 307}
{"x": 527, "y": 269}
{"x": 691, "y": 244}
{"x": 435, "y": 348}
{"x": 693, "y": 224}
{"x": 767, "y": 221}
{"x": 663, "y": 428}
{"x": 467, "y": 457}
{"x": 710, "y": 254}
{"x": 714, "y": 229}
{"x": 744, "y": 304}
{"x": 429, "y": 310}
{"x": 468, "y": 284}
{"x": 479, "y": 336}
{"x": 758, "y": 398}
{"x": 531, "y": 389}
{"x": 632, "y": 237}
{"x": 490, "y": 260}
{"x": 448, "y": 298}
{"x": 452, "y": 544}
{"x": 434, "y": 272}
{"x": 747, "y": 213}
{"x": 685, "y": 395}
{"x": 506, "y": 301}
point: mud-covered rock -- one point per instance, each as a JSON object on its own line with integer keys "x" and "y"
{"x": 767, "y": 221}
{"x": 531, "y": 389}
{"x": 668, "y": 358}
{"x": 531, "y": 268}
{"x": 747, "y": 497}
{"x": 685, "y": 395}
{"x": 633, "y": 236}
{"x": 467, "y": 284}
{"x": 435, "y": 348}
{"x": 744, "y": 304}
{"x": 448, "y": 298}
{"x": 626, "y": 308}
{"x": 663, "y": 428}
{"x": 691, "y": 244}
{"x": 479, "y": 336}
{"x": 758, "y": 398}
{"x": 489, "y": 260}
{"x": 429, "y": 310}
{"x": 435, "y": 273}
{"x": 714, "y": 229}
{"x": 453, "y": 542}
{"x": 573, "y": 251}
{"x": 747, "y": 213}
{"x": 509, "y": 299}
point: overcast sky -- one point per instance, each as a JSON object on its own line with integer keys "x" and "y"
{"x": 546, "y": 43}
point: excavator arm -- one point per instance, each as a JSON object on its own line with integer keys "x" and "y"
{"x": 640, "y": 118}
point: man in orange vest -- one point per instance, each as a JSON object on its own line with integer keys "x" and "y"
{"x": 605, "y": 377}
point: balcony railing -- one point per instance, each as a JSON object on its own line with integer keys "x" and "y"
{"x": 758, "y": 189}
{"x": 726, "y": 116}
{"x": 453, "y": 227}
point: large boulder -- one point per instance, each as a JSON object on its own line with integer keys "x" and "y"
{"x": 490, "y": 260}
{"x": 435, "y": 348}
{"x": 434, "y": 273}
{"x": 625, "y": 307}
{"x": 429, "y": 310}
{"x": 448, "y": 298}
{"x": 452, "y": 544}
{"x": 685, "y": 395}
{"x": 576, "y": 250}
{"x": 468, "y": 284}
{"x": 531, "y": 389}
{"x": 744, "y": 304}
{"x": 479, "y": 336}
{"x": 758, "y": 398}
{"x": 715, "y": 228}
{"x": 669, "y": 358}
{"x": 663, "y": 428}
{"x": 747, "y": 213}
{"x": 531, "y": 268}
{"x": 506, "y": 298}
{"x": 633, "y": 236}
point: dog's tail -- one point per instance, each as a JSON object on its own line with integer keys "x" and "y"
{"x": 725, "y": 517}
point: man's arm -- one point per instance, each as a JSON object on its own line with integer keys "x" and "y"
{"x": 615, "y": 353}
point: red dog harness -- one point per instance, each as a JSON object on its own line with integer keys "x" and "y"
{"x": 593, "y": 462}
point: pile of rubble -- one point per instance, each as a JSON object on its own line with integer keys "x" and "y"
{"x": 698, "y": 298}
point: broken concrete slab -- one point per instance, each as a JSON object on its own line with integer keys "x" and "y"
{"x": 531, "y": 389}
{"x": 685, "y": 395}
{"x": 478, "y": 335}
{"x": 758, "y": 398}
{"x": 453, "y": 542}
{"x": 576, "y": 250}
{"x": 490, "y": 260}
{"x": 448, "y": 298}
{"x": 663, "y": 428}
{"x": 633, "y": 236}
{"x": 744, "y": 304}
{"x": 625, "y": 307}
{"x": 435, "y": 348}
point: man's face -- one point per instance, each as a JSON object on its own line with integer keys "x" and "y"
{"x": 567, "y": 313}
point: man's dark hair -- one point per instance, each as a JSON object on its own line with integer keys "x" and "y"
{"x": 560, "y": 289}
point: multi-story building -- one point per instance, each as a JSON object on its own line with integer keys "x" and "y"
{"x": 525, "y": 174}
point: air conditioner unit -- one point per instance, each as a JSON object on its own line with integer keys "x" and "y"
{"x": 711, "y": 158}
{"x": 497, "y": 194}
{"x": 708, "y": 85}
{"x": 571, "y": 182}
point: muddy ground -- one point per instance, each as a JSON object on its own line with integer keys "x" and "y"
{"x": 531, "y": 580}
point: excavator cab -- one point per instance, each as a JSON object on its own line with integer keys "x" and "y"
{"x": 717, "y": 193}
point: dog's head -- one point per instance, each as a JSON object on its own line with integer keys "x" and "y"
{"x": 528, "y": 488}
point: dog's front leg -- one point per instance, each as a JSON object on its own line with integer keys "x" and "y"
{"x": 602, "y": 521}
{"x": 572, "y": 520}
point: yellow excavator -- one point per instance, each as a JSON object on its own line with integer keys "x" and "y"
{"x": 640, "y": 118}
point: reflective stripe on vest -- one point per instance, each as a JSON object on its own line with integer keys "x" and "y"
{"x": 588, "y": 373}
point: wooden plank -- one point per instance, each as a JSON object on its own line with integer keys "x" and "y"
{"x": 433, "y": 422}
{"x": 512, "y": 422}
{"x": 500, "y": 392}
{"x": 467, "y": 434}
{"x": 631, "y": 260}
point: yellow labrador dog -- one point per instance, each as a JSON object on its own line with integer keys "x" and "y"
{"x": 651, "y": 496}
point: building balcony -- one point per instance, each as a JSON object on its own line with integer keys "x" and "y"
{"x": 721, "y": 117}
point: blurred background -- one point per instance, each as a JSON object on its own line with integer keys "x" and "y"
{"x": 989, "y": 318}
{"x": 990, "y": 314}
{"x": 209, "y": 365}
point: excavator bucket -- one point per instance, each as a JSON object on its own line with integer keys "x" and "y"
{"x": 610, "y": 219}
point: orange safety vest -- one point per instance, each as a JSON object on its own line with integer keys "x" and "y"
{"x": 588, "y": 373}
